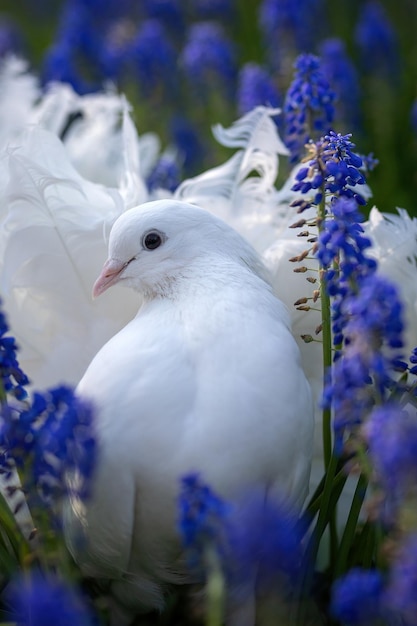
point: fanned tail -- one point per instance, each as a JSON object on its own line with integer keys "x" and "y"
{"x": 52, "y": 235}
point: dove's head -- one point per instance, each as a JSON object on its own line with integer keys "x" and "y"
{"x": 155, "y": 244}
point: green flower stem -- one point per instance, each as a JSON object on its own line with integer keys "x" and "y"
{"x": 327, "y": 505}
{"x": 3, "y": 396}
{"x": 337, "y": 488}
{"x": 350, "y": 528}
{"x": 329, "y": 461}
{"x": 327, "y": 345}
{"x": 12, "y": 539}
{"x": 215, "y": 588}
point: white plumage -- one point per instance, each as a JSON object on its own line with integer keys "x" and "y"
{"x": 54, "y": 223}
{"x": 206, "y": 377}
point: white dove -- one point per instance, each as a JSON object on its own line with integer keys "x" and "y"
{"x": 207, "y": 377}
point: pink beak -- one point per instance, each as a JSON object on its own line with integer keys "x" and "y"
{"x": 110, "y": 274}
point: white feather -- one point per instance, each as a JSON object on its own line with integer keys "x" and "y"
{"x": 52, "y": 236}
{"x": 19, "y": 91}
{"x": 242, "y": 190}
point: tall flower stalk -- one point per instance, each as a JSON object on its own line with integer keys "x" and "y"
{"x": 329, "y": 181}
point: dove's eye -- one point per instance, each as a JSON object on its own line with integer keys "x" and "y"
{"x": 152, "y": 240}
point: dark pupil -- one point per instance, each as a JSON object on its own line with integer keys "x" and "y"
{"x": 152, "y": 241}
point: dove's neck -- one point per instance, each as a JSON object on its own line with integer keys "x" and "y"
{"x": 208, "y": 277}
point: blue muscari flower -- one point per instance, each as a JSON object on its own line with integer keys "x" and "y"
{"x": 376, "y": 311}
{"x": 334, "y": 164}
{"x": 295, "y": 25}
{"x": 369, "y": 162}
{"x": 342, "y": 241}
{"x": 413, "y": 362}
{"x": 356, "y": 598}
{"x": 13, "y": 379}
{"x": 102, "y": 9}
{"x": 112, "y": 58}
{"x": 369, "y": 318}
{"x": 165, "y": 175}
{"x": 308, "y": 106}
{"x": 214, "y": 9}
{"x": 401, "y": 592}
{"x": 170, "y": 12}
{"x": 377, "y": 40}
{"x": 77, "y": 44}
{"x": 202, "y": 520}
{"x": 59, "y": 65}
{"x": 392, "y": 438}
{"x": 38, "y": 601}
{"x": 11, "y": 40}
{"x": 255, "y": 87}
{"x": 343, "y": 78}
{"x": 266, "y": 538}
{"x": 153, "y": 57}
{"x": 188, "y": 144}
{"x": 49, "y": 438}
{"x": 84, "y": 50}
{"x": 349, "y": 393}
{"x": 343, "y": 233}
{"x": 82, "y": 30}
{"x": 209, "y": 55}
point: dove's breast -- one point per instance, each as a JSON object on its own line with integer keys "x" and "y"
{"x": 213, "y": 386}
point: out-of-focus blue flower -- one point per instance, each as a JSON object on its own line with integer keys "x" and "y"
{"x": 349, "y": 393}
{"x": 376, "y": 312}
{"x": 308, "y": 106}
{"x": 356, "y": 598}
{"x": 266, "y": 537}
{"x": 255, "y": 87}
{"x": 89, "y": 43}
{"x": 341, "y": 241}
{"x": 369, "y": 162}
{"x": 208, "y": 56}
{"x": 48, "y": 439}
{"x": 13, "y": 379}
{"x": 392, "y": 438}
{"x": 102, "y": 9}
{"x": 202, "y": 520}
{"x": 170, "y": 12}
{"x": 343, "y": 78}
{"x": 413, "y": 361}
{"x": 401, "y": 593}
{"x": 153, "y": 57}
{"x": 165, "y": 175}
{"x": 11, "y": 40}
{"x": 187, "y": 143}
{"x": 214, "y": 9}
{"x": 59, "y": 65}
{"x": 295, "y": 25}
{"x": 37, "y": 601}
{"x": 369, "y": 318}
{"x": 76, "y": 30}
{"x": 377, "y": 40}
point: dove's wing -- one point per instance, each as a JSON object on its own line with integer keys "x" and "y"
{"x": 54, "y": 226}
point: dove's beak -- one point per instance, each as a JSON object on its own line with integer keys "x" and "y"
{"x": 110, "y": 275}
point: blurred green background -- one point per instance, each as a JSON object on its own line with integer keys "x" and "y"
{"x": 379, "y": 40}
